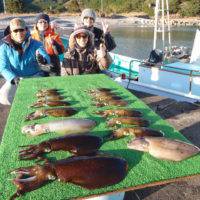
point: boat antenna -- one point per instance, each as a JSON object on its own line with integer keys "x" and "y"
{"x": 161, "y": 10}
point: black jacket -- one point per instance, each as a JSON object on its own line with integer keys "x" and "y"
{"x": 99, "y": 38}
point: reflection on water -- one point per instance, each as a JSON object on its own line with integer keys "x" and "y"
{"x": 137, "y": 42}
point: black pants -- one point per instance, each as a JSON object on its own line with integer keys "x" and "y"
{"x": 55, "y": 70}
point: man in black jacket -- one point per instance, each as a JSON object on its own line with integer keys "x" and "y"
{"x": 88, "y": 17}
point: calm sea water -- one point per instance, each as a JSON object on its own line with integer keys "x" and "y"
{"x": 138, "y": 42}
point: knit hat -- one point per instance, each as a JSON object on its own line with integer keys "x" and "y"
{"x": 43, "y": 16}
{"x": 79, "y": 28}
{"x": 17, "y": 23}
{"x": 88, "y": 13}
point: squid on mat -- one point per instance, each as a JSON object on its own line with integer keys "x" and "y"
{"x": 65, "y": 126}
{"x": 164, "y": 148}
{"x": 120, "y": 112}
{"x": 90, "y": 172}
{"x": 54, "y": 112}
{"x": 77, "y": 144}
{"x": 137, "y": 121}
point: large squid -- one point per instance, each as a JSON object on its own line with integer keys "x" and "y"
{"x": 90, "y": 172}
{"x": 77, "y": 144}
{"x": 65, "y": 126}
{"x": 164, "y": 148}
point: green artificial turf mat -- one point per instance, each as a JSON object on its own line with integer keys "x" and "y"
{"x": 143, "y": 169}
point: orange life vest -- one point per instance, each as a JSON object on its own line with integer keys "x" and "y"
{"x": 48, "y": 36}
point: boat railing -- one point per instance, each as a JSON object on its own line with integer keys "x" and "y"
{"x": 192, "y": 73}
{"x": 131, "y": 70}
{"x": 178, "y": 70}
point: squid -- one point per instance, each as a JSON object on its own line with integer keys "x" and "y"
{"x": 164, "y": 148}
{"x": 90, "y": 172}
{"x": 66, "y": 126}
{"x": 112, "y": 103}
{"x": 47, "y": 92}
{"x": 96, "y": 93}
{"x": 51, "y": 98}
{"x": 136, "y": 132}
{"x": 55, "y": 112}
{"x": 107, "y": 98}
{"x": 77, "y": 144}
{"x": 100, "y": 90}
{"x": 120, "y": 112}
{"x": 49, "y": 103}
{"x": 137, "y": 121}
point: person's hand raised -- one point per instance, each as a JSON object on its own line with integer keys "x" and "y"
{"x": 105, "y": 27}
{"x": 102, "y": 51}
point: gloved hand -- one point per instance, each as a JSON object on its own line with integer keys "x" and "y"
{"x": 101, "y": 53}
{"x": 15, "y": 81}
{"x": 40, "y": 59}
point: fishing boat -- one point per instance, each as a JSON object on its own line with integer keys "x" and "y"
{"x": 176, "y": 80}
{"x": 172, "y": 78}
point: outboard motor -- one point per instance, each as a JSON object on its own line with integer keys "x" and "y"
{"x": 155, "y": 56}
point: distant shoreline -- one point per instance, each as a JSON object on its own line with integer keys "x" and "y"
{"x": 137, "y": 19}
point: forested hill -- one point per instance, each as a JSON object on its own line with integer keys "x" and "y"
{"x": 182, "y": 7}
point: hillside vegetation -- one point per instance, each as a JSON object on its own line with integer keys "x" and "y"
{"x": 182, "y": 7}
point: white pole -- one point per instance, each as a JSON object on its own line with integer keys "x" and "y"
{"x": 101, "y": 6}
{"x": 163, "y": 24}
{"x": 155, "y": 23}
{"x": 168, "y": 24}
{"x": 4, "y": 6}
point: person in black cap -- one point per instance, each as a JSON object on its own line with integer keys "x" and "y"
{"x": 82, "y": 57}
{"x": 88, "y": 17}
{"x": 52, "y": 42}
{"x": 18, "y": 58}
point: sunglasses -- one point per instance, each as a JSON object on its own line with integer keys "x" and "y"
{"x": 42, "y": 22}
{"x": 89, "y": 18}
{"x": 19, "y": 30}
{"x": 81, "y": 36}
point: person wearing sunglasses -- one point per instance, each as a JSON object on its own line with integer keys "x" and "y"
{"x": 18, "y": 57}
{"x": 53, "y": 44}
{"x": 82, "y": 57}
{"x": 88, "y": 18}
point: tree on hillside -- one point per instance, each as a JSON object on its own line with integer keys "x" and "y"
{"x": 72, "y": 6}
{"x": 174, "y": 5}
{"x": 190, "y": 8}
{"x": 14, "y": 6}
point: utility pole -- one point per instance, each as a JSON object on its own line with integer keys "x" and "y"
{"x": 4, "y": 6}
